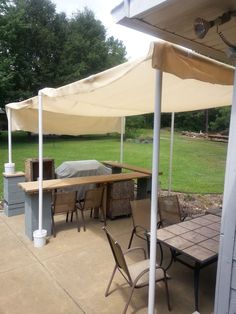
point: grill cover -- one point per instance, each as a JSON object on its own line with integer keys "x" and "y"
{"x": 81, "y": 168}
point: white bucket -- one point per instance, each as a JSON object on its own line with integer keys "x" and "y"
{"x": 9, "y": 168}
{"x": 39, "y": 237}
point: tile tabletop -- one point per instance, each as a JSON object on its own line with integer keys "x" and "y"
{"x": 217, "y": 238}
{"x": 215, "y": 226}
{"x": 176, "y": 229}
{"x": 207, "y": 232}
{"x": 179, "y": 243}
{"x": 212, "y": 218}
{"x": 189, "y": 225}
{"x": 210, "y": 244}
{"x": 199, "y": 253}
{"x": 202, "y": 221}
{"x": 193, "y": 237}
{"x": 163, "y": 234}
{"x": 198, "y": 238}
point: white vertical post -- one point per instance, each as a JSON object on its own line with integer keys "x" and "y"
{"x": 9, "y": 167}
{"x": 9, "y": 137}
{"x": 225, "y": 267}
{"x": 122, "y": 139}
{"x": 40, "y": 234}
{"x": 171, "y": 151}
{"x": 155, "y": 182}
{"x": 40, "y": 178}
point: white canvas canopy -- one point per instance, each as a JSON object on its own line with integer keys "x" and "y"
{"x": 190, "y": 82}
{"x": 96, "y": 104}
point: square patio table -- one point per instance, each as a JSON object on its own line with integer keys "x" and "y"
{"x": 198, "y": 239}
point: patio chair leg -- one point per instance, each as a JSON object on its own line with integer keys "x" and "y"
{"x": 71, "y": 217}
{"x": 167, "y": 292}
{"x": 103, "y": 216}
{"x": 110, "y": 281}
{"x": 83, "y": 221}
{"x": 77, "y": 219}
{"x": 148, "y": 244}
{"x": 128, "y": 302}
{"x": 171, "y": 259}
{"x": 91, "y": 213}
{"x": 131, "y": 238}
{"x": 67, "y": 216}
{"x": 53, "y": 226}
{"x": 161, "y": 252}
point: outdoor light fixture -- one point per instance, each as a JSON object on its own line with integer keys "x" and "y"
{"x": 201, "y": 27}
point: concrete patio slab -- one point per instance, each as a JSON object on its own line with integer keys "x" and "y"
{"x": 30, "y": 289}
{"x": 14, "y": 254}
{"x": 70, "y": 273}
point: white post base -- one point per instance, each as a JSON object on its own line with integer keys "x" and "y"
{"x": 39, "y": 237}
{"x": 9, "y": 168}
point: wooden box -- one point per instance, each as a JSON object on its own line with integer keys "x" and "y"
{"x": 119, "y": 195}
{"x": 32, "y": 169}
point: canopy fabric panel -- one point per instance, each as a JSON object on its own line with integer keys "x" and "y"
{"x": 56, "y": 123}
{"x": 185, "y": 64}
{"x": 94, "y": 104}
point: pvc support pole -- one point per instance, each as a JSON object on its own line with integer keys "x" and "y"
{"x": 122, "y": 139}
{"x": 155, "y": 181}
{"x": 40, "y": 179}
{"x": 9, "y": 136}
{"x": 171, "y": 151}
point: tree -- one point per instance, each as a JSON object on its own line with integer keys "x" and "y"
{"x": 29, "y": 47}
{"x": 39, "y": 48}
{"x": 221, "y": 122}
{"x": 87, "y": 51}
{"x": 116, "y": 52}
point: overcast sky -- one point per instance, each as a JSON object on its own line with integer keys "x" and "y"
{"x": 136, "y": 43}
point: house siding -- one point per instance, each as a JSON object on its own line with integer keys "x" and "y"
{"x": 234, "y": 248}
{"x": 232, "y": 307}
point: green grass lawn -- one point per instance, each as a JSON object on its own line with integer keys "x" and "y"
{"x": 198, "y": 165}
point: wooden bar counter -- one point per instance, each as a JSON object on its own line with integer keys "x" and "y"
{"x": 31, "y": 195}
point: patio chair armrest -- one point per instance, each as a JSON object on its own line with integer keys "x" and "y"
{"x": 146, "y": 270}
{"x": 136, "y": 249}
{"x": 140, "y": 227}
